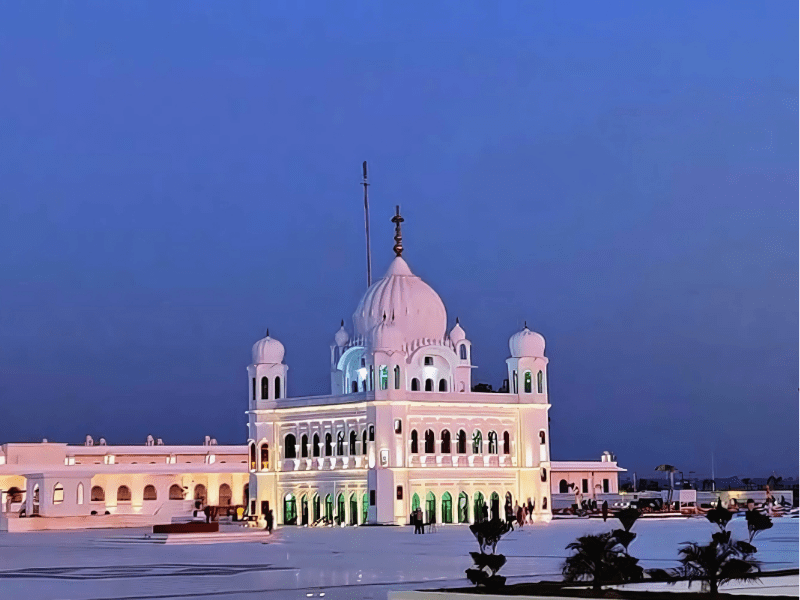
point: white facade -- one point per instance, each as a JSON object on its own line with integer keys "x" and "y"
{"x": 402, "y": 426}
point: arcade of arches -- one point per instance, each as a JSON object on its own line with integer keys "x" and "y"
{"x": 308, "y": 507}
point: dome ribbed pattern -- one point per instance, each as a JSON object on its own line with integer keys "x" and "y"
{"x": 415, "y": 309}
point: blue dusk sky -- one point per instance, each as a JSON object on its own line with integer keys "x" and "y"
{"x": 175, "y": 177}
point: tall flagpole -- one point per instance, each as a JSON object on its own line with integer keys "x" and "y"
{"x": 366, "y": 225}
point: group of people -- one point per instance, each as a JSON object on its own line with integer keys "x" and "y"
{"x": 418, "y": 520}
{"x": 520, "y": 513}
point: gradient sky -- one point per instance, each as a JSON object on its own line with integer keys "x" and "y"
{"x": 177, "y": 177}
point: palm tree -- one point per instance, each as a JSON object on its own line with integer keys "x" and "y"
{"x": 600, "y": 559}
{"x": 715, "y": 564}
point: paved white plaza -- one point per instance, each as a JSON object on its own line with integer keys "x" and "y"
{"x": 364, "y": 562}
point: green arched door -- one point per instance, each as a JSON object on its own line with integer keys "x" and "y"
{"x": 430, "y": 508}
{"x": 414, "y": 502}
{"x": 329, "y": 509}
{"x": 478, "y": 507}
{"x": 365, "y": 508}
{"x": 289, "y": 510}
{"x": 463, "y": 508}
{"x": 353, "y": 509}
{"x": 494, "y": 506}
{"x": 447, "y": 508}
{"x": 340, "y": 514}
{"x": 316, "y": 507}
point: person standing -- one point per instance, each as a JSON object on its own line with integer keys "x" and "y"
{"x": 520, "y": 515}
{"x": 605, "y": 510}
{"x": 270, "y": 520}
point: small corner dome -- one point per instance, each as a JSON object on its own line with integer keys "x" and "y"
{"x": 526, "y": 343}
{"x": 268, "y": 351}
{"x": 457, "y": 334}
{"x": 341, "y": 337}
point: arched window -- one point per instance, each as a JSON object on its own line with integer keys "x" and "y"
{"x": 277, "y": 388}
{"x": 150, "y": 493}
{"x": 415, "y": 385}
{"x": 492, "y": 442}
{"x": 372, "y": 433}
{"x": 252, "y": 456}
{"x": 175, "y": 492}
{"x": 265, "y": 455}
{"x": 225, "y": 495}
{"x": 58, "y": 493}
{"x": 383, "y": 376}
{"x": 315, "y": 446}
{"x": 429, "y": 385}
{"x": 429, "y": 442}
{"x": 354, "y": 386}
{"x": 397, "y": 377}
{"x": 353, "y": 440}
{"x": 328, "y": 444}
{"x": 477, "y": 442}
{"x": 414, "y": 502}
{"x": 304, "y": 446}
{"x": 340, "y": 443}
{"x": 123, "y": 493}
{"x": 527, "y": 382}
{"x": 544, "y": 503}
{"x": 515, "y": 381}
{"x": 540, "y": 382}
{"x": 98, "y": 494}
{"x": 563, "y": 487}
{"x": 445, "y": 442}
{"x": 544, "y": 474}
{"x": 364, "y": 442}
{"x": 254, "y": 388}
{"x": 462, "y": 442}
{"x": 443, "y": 385}
{"x": 506, "y": 443}
{"x": 79, "y": 498}
{"x": 462, "y": 352}
{"x": 264, "y": 388}
{"x": 289, "y": 443}
{"x": 542, "y": 438}
{"x": 200, "y": 492}
{"x": 414, "y": 442}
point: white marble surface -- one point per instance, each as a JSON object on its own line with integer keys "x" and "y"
{"x": 346, "y": 563}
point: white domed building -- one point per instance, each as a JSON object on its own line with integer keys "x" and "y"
{"x": 402, "y": 427}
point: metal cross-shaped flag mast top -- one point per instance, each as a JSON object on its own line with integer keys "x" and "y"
{"x": 398, "y": 235}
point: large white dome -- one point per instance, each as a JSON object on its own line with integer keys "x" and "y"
{"x": 268, "y": 351}
{"x": 415, "y": 309}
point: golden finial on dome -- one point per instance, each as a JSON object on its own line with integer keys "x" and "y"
{"x": 398, "y": 235}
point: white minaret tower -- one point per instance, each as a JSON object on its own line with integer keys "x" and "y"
{"x": 527, "y": 377}
{"x": 463, "y": 368}
{"x": 267, "y": 373}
